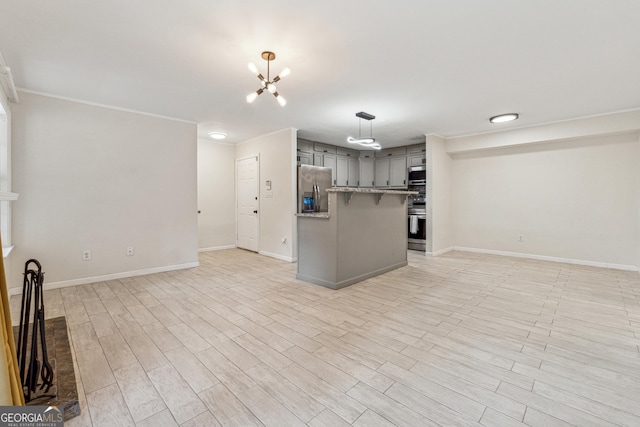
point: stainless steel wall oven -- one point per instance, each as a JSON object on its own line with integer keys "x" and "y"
{"x": 416, "y": 221}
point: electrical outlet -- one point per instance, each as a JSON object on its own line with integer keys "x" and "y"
{"x": 130, "y": 251}
{"x": 521, "y": 238}
{"x": 86, "y": 255}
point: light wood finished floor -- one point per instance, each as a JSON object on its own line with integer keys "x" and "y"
{"x": 457, "y": 340}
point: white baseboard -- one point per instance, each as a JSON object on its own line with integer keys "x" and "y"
{"x": 114, "y": 276}
{"x": 440, "y": 252}
{"x": 550, "y": 258}
{"x": 217, "y": 248}
{"x": 277, "y": 256}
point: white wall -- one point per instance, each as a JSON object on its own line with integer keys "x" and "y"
{"x": 574, "y": 199}
{"x": 277, "y": 153}
{"x": 216, "y": 195}
{"x": 102, "y": 179}
{"x": 441, "y": 180}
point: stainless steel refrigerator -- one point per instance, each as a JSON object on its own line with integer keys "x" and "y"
{"x": 313, "y": 182}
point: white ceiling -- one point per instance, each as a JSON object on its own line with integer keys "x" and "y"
{"x": 421, "y": 66}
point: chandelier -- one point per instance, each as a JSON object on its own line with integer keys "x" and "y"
{"x": 267, "y": 84}
{"x": 369, "y": 142}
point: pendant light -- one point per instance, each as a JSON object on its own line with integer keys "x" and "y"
{"x": 268, "y": 84}
{"x": 369, "y": 142}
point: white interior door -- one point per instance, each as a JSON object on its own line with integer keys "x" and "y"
{"x": 247, "y": 186}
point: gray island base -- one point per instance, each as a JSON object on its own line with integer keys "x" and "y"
{"x": 363, "y": 234}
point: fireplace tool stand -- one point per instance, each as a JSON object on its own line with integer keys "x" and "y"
{"x": 32, "y": 327}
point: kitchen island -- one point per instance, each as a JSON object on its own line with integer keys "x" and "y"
{"x": 363, "y": 234}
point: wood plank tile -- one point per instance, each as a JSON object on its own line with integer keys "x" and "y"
{"x": 228, "y": 409}
{"x": 343, "y": 405}
{"x": 297, "y": 401}
{"x": 372, "y": 419}
{"x": 206, "y": 419}
{"x": 491, "y": 417}
{"x": 117, "y": 351}
{"x": 191, "y": 369}
{"x": 267, "y": 409}
{"x": 141, "y": 397}
{"x": 225, "y": 370}
{"x": 262, "y": 352}
{"x": 329, "y": 373}
{"x": 551, "y": 407}
{"x": 363, "y": 373}
{"x": 435, "y": 391}
{"x": 390, "y": 409}
{"x": 108, "y": 409}
{"x": 328, "y": 419}
{"x": 94, "y": 370}
{"x": 427, "y": 407}
{"x": 183, "y": 403}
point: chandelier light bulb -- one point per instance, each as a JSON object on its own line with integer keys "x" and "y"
{"x": 253, "y": 68}
{"x": 285, "y": 72}
{"x": 252, "y": 97}
{"x": 271, "y": 87}
{"x": 281, "y": 101}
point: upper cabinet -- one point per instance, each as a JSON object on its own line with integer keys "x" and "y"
{"x": 347, "y": 167}
{"x": 304, "y": 152}
{"x": 391, "y": 172}
{"x": 416, "y": 155}
{"x": 352, "y": 168}
{"x": 324, "y": 148}
{"x": 366, "y": 169}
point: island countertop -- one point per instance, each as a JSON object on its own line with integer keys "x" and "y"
{"x": 368, "y": 190}
{"x": 349, "y": 192}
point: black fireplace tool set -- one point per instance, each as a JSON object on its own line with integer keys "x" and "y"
{"x": 32, "y": 326}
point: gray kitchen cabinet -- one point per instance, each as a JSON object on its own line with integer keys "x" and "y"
{"x": 304, "y": 152}
{"x": 347, "y": 171}
{"x": 342, "y": 171}
{"x": 354, "y": 172}
{"x": 397, "y": 151}
{"x": 330, "y": 162}
{"x": 416, "y": 154}
{"x": 417, "y": 148}
{"x": 304, "y": 158}
{"x": 391, "y": 172}
{"x": 398, "y": 171}
{"x": 366, "y": 172}
{"x": 382, "y": 172}
{"x": 304, "y": 145}
{"x": 324, "y": 148}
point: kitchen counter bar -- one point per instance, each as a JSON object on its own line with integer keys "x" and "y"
{"x": 363, "y": 234}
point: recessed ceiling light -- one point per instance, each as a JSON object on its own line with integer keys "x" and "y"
{"x": 503, "y": 118}
{"x": 217, "y": 135}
